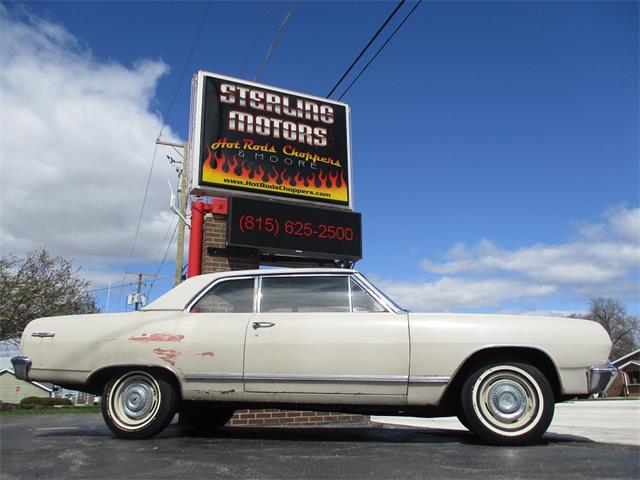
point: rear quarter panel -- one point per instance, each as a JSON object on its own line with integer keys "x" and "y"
{"x": 85, "y": 343}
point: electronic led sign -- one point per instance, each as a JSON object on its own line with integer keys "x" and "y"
{"x": 294, "y": 230}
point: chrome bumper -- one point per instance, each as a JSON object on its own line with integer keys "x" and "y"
{"x": 601, "y": 377}
{"x": 21, "y": 366}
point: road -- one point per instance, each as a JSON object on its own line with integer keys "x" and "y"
{"x": 608, "y": 421}
{"x": 80, "y": 446}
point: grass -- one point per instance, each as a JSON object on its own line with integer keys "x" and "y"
{"x": 50, "y": 410}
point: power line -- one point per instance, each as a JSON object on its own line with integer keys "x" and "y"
{"x": 144, "y": 202}
{"x": 379, "y": 50}
{"x": 186, "y": 64}
{"x": 366, "y": 47}
{"x": 177, "y": 151}
{"x": 107, "y": 288}
{"x": 124, "y": 285}
{"x": 166, "y": 234}
{"x": 173, "y": 236}
{"x": 164, "y": 123}
{"x": 276, "y": 39}
{"x": 256, "y": 38}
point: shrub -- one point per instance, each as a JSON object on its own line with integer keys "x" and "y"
{"x": 36, "y": 402}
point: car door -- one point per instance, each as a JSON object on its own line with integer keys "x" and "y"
{"x": 324, "y": 334}
{"x": 211, "y": 355}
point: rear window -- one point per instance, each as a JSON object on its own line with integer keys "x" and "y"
{"x": 230, "y": 296}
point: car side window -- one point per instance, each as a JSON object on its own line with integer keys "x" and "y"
{"x": 230, "y": 296}
{"x": 305, "y": 294}
{"x": 361, "y": 301}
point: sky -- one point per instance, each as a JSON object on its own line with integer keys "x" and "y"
{"x": 494, "y": 144}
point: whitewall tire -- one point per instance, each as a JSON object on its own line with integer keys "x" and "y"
{"x": 508, "y": 403}
{"x": 138, "y": 404}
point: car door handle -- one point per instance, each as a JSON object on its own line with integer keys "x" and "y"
{"x": 257, "y": 325}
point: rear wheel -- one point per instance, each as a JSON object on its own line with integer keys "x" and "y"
{"x": 138, "y": 404}
{"x": 203, "y": 416}
{"x": 508, "y": 403}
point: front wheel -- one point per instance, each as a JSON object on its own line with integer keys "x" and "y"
{"x": 138, "y": 404}
{"x": 508, "y": 403}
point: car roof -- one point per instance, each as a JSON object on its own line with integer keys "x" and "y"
{"x": 178, "y": 297}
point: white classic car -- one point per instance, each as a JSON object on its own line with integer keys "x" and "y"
{"x": 323, "y": 339}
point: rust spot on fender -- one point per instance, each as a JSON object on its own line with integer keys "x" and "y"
{"x": 167, "y": 355}
{"x": 157, "y": 337}
{"x": 206, "y": 354}
{"x": 228, "y": 391}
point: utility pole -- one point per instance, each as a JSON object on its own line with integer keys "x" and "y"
{"x": 182, "y": 194}
{"x": 137, "y": 298}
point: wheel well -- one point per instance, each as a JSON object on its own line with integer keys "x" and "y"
{"x": 98, "y": 379}
{"x": 532, "y": 356}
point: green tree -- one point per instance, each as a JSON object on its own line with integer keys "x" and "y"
{"x": 621, "y": 327}
{"x": 39, "y": 285}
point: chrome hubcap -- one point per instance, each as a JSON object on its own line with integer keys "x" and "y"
{"x": 134, "y": 401}
{"x": 137, "y": 400}
{"x": 507, "y": 400}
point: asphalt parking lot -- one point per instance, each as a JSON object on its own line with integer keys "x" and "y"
{"x": 80, "y": 446}
{"x": 605, "y": 421}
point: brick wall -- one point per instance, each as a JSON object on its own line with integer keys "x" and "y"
{"x": 216, "y": 259}
{"x": 280, "y": 417}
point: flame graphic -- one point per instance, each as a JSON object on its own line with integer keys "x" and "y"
{"x": 224, "y": 170}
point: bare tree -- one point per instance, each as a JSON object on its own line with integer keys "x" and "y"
{"x": 39, "y": 285}
{"x": 621, "y": 327}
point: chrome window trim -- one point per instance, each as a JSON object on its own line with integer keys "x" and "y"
{"x": 218, "y": 281}
{"x": 362, "y": 282}
{"x": 259, "y": 294}
{"x": 350, "y": 294}
{"x": 367, "y": 292}
{"x": 389, "y": 305}
{"x": 256, "y": 281}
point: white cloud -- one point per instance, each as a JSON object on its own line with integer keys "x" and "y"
{"x": 605, "y": 253}
{"x": 76, "y": 142}
{"x": 624, "y": 222}
{"x": 604, "y": 260}
{"x": 453, "y": 293}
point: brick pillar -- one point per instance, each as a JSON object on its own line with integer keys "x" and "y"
{"x": 214, "y": 259}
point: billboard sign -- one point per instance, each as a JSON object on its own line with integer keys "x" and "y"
{"x": 250, "y": 139}
{"x": 294, "y": 230}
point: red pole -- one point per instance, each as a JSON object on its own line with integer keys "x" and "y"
{"x": 195, "y": 239}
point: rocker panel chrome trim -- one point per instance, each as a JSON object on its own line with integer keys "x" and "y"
{"x": 217, "y": 377}
{"x": 279, "y": 377}
{"x": 260, "y": 377}
{"x": 429, "y": 379}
